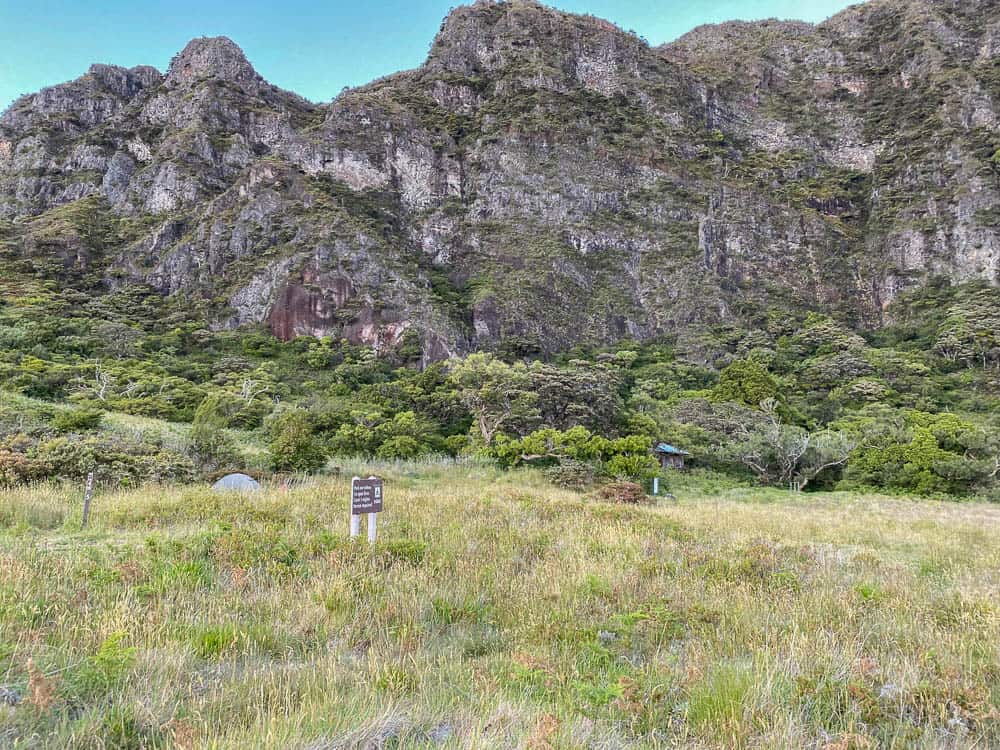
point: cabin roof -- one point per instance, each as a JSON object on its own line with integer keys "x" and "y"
{"x": 671, "y": 450}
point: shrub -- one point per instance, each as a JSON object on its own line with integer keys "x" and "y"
{"x": 746, "y": 382}
{"x": 212, "y": 642}
{"x": 16, "y": 468}
{"x": 372, "y": 433}
{"x": 77, "y": 420}
{"x": 113, "y": 461}
{"x": 632, "y": 467}
{"x": 210, "y": 445}
{"x": 571, "y": 474}
{"x": 293, "y": 445}
{"x": 627, "y": 493}
{"x": 107, "y": 668}
{"x": 405, "y": 550}
{"x": 456, "y": 445}
{"x": 401, "y": 446}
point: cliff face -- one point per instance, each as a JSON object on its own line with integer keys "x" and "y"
{"x": 544, "y": 179}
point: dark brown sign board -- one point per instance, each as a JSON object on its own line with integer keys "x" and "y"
{"x": 366, "y": 496}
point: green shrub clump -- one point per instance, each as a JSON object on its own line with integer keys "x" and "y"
{"x": 294, "y": 446}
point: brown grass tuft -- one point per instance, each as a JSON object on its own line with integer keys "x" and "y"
{"x": 41, "y": 689}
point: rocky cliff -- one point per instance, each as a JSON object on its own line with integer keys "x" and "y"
{"x": 543, "y": 180}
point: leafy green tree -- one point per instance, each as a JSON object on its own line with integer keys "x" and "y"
{"x": 583, "y": 394}
{"x": 357, "y": 435}
{"x": 372, "y": 433}
{"x": 970, "y": 333}
{"x": 399, "y": 446}
{"x": 746, "y": 382}
{"x": 918, "y": 452}
{"x": 822, "y": 335}
{"x": 623, "y": 458}
{"x": 404, "y": 436}
{"x": 496, "y": 393}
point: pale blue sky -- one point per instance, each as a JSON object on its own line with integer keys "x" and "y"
{"x": 312, "y": 47}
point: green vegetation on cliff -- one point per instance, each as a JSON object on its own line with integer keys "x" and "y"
{"x": 911, "y": 408}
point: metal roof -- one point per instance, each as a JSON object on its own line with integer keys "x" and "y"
{"x": 667, "y": 448}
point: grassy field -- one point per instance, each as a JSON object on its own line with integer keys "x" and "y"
{"x": 497, "y": 611}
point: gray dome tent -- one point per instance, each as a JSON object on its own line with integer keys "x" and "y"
{"x": 236, "y": 483}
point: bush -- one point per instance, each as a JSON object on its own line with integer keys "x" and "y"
{"x": 626, "y": 493}
{"x": 77, "y": 420}
{"x": 571, "y": 474}
{"x": 372, "y": 433}
{"x": 16, "y": 468}
{"x": 746, "y": 382}
{"x": 456, "y": 445}
{"x": 405, "y": 550}
{"x": 114, "y": 462}
{"x": 401, "y": 446}
{"x": 293, "y": 445}
{"x": 633, "y": 467}
{"x": 210, "y": 445}
{"x": 107, "y": 668}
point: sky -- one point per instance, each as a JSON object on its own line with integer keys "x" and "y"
{"x": 312, "y": 47}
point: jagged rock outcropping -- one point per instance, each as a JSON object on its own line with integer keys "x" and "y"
{"x": 543, "y": 180}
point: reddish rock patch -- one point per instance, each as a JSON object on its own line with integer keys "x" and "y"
{"x": 299, "y": 311}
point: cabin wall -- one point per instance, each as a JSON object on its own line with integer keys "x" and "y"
{"x": 671, "y": 462}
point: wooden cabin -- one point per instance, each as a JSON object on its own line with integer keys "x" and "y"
{"x": 670, "y": 457}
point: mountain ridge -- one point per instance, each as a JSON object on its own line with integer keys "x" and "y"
{"x": 535, "y": 156}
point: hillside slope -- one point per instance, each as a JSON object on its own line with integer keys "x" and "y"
{"x": 543, "y": 179}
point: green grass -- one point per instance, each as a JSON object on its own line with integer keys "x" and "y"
{"x": 497, "y": 611}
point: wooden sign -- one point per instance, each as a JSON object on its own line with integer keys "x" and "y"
{"x": 87, "y": 495}
{"x": 366, "y": 496}
{"x": 366, "y": 499}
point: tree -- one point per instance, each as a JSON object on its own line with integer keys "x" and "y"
{"x": 623, "y": 458}
{"x": 758, "y": 439}
{"x": 294, "y": 447}
{"x": 746, "y": 382}
{"x": 828, "y": 449}
{"x": 920, "y": 452}
{"x": 782, "y": 453}
{"x": 101, "y": 387}
{"x": 117, "y": 339}
{"x": 970, "y": 333}
{"x": 584, "y": 394}
{"x": 496, "y": 393}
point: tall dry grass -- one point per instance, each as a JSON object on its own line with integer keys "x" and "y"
{"x": 496, "y": 611}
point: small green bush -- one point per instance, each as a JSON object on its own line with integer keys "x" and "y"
{"x": 294, "y": 447}
{"x": 210, "y": 445}
{"x": 103, "y": 671}
{"x": 405, "y": 550}
{"x": 639, "y": 468}
{"x": 77, "y": 420}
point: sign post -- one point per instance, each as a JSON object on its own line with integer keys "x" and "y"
{"x": 87, "y": 494}
{"x": 366, "y": 498}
